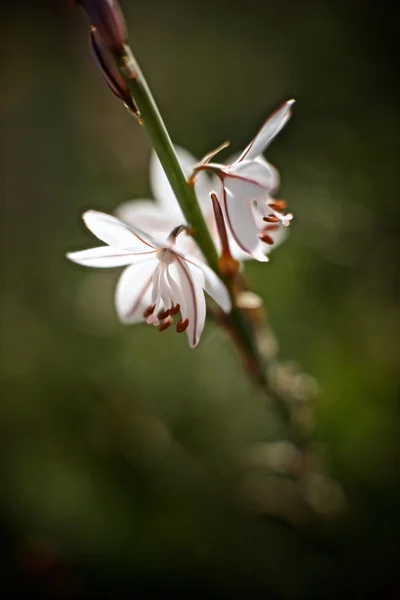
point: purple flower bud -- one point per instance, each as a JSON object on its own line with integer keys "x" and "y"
{"x": 112, "y": 76}
{"x": 107, "y": 18}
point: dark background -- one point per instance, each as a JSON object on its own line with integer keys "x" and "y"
{"x": 119, "y": 447}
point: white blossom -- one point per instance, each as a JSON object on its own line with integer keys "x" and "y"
{"x": 246, "y": 188}
{"x": 159, "y": 282}
{"x": 164, "y": 213}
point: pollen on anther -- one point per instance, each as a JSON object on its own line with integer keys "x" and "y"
{"x": 163, "y": 314}
{"x": 175, "y": 309}
{"x": 149, "y": 311}
{"x": 181, "y": 326}
{"x": 165, "y": 324}
{"x": 278, "y": 205}
{"x": 271, "y": 219}
{"x": 267, "y": 239}
{"x": 271, "y": 227}
{"x": 153, "y": 320}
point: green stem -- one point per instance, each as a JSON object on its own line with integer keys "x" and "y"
{"x": 162, "y": 144}
{"x": 150, "y": 117}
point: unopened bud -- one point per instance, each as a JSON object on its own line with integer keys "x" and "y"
{"x": 111, "y": 74}
{"x": 107, "y": 18}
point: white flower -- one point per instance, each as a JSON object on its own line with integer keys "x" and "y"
{"x": 160, "y": 281}
{"x": 163, "y": 215}
{"x": 247, "y": 184}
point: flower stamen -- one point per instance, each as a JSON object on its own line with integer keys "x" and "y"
{"x": 271, "y": 219}
{"x": 153, "y": 320}
{"x": 149, "y": 311}
{"x": 167, "y": 323}
{"x": 163, "y": 314}
{"x": 271, "y": 227}
{"x": 267, "y": 239}
{"x": 174, "y": 310}
{"x": 278, "y": 205}
{"x": 181, "y": 326}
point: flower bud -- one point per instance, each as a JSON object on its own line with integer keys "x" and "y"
{"x": 107, "y": 18}
{"x": 112, "y": 76}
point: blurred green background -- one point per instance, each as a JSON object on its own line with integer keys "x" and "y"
{"x": 121, "y": 450}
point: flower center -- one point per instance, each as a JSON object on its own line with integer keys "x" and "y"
{"x": 165, "y": 318}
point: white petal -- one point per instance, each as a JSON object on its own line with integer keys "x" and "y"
{"x": 204, "y": 185}
{"x": 203, "y": 180}
{"x": 161, "y": 187}
{"x": 240, "y": 255}
{"x": 255, "y": 171}
{"x": 147, "y": 215}
{"x": 275, "y": 179}
{"x": 173, "y": 282}
{"x": 155, "y": 286}
{"x": 162, "y": 190}
{"x": 193, "y": 305}
{"x": 160, "y": 293}
{"x": 212, "y": 283}
{"x": 268, "y": 131}
{"x": 185, "y": 244}
{"x": 133, "y": 293}
{"x": 273, "y": 171}
{"x": 106, "y": 256}
{"x": 214, "y": 185}
{"x": 240, "y": 219}
{"x": 115, "y": 233}
{"x": 279, "y": 237}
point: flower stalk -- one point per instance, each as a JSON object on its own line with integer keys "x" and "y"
{"x": 107, "y": 21}
{"x": 162, "y": 144}
{"x": 241, "y": 328}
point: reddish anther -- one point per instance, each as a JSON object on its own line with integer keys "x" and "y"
{"x": 163, "y": 314}
{"x": 175, "y": 309}
{"x": 278, "y": 205}
{"x": 267, "y": 239}
{"x": 165, "y": 324}
{"x": 181, "y": 326}
{"x": 271, "y": 227}
{"x": 149, "y": 311}
{"x": 271, "y": 219}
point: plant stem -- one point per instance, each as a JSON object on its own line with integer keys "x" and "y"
{"x": 162, "y": 144}
{"x": 239, "y": 325}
